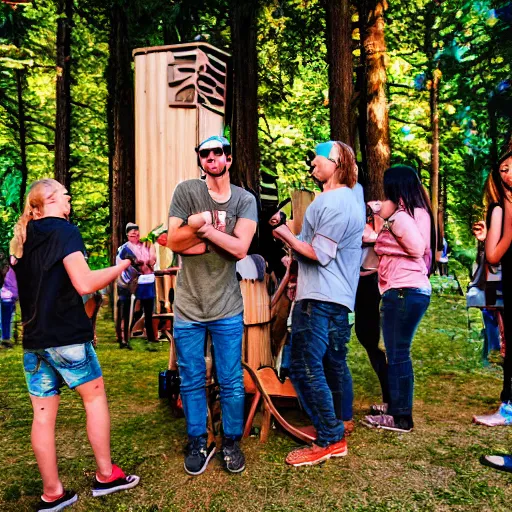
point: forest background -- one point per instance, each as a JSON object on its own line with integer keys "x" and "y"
{"x": 426, "y": 83}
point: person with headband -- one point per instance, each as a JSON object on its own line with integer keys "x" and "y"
{"x": 211, "y": 225}
{"x": 47, "y": 254}
{"x": 328, "y": 251}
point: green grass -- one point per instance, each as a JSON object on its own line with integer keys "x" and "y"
{"x": 433, "y": 468}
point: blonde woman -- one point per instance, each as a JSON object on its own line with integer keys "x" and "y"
{"x": 47, "y": 254}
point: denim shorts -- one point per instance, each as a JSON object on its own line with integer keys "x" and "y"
{"x": 47, "y": 370}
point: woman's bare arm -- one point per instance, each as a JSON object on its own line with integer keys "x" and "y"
{"x": 86, "y": 280}
{"x": 496, "y": 243}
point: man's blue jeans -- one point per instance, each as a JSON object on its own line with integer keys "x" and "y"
{"x": 401, "y": 312}
{"x": 226, "y": 336}
{"x": 320, "y": 332}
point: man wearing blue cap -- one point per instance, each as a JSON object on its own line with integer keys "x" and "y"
{"x": 211, "y": 224}
{"x": 328, "y": 251}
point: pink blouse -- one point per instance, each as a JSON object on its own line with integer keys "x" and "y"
{"x": 404, "y": 253}
{"x": 146, "y": 253}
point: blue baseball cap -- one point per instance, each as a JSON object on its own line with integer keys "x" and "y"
{"x": 216, "y": 141}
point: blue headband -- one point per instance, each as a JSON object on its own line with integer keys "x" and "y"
{"x": 325, "y": 148}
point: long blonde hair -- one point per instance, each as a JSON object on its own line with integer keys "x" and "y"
{"x": 38, "y": 193}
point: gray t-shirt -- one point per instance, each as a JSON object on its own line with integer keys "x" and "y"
{"x": 207, "y": 287}
{"x": 333, "y": 225}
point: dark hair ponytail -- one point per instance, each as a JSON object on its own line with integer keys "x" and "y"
{"x": 402, "y": 186}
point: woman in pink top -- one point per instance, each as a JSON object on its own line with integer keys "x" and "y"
{"x": 405, "y": 247}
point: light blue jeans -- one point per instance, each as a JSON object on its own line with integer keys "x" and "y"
{"x": 47, "y": 370}
{"x": 226, "y": 336}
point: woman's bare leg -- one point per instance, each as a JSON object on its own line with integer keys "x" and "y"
{"x": 98, "y": 423}
{"x": 43, "y": 442}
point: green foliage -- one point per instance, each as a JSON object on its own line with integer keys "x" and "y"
{"x": 470, "y": 47}
{"x": 473, "y": 57}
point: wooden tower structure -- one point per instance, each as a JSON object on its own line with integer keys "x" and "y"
{"x": 180, "y": 100}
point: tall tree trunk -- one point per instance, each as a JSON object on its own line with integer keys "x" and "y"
{"x": 22, "y": 132}
{"x": 63, "y": 93}
{"x": 373, "y": 61}
{"x": 434, "y": 126}
{"x": 339, "y": 58}
{"x": 121, "y": 129}
{"x": 434, "y": 76}
{"x": 244, "y": 126}
{"x": 362, "y": 117}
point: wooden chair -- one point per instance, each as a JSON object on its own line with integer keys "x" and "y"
{"x": 266, "y": 387}
{"x": 262, "y": 381}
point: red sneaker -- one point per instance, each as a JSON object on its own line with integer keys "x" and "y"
{"x": 118, "y": 481}
{"x": 314, "y": 454}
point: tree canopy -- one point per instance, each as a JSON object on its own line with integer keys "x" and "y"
{"x": 462, "y": 48}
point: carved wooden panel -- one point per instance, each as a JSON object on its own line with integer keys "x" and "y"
{"x": 195, "y": 78}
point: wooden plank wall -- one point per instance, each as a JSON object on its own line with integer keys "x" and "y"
{"x": 165, "y": 138}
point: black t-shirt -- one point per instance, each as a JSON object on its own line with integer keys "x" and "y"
{"x": 52, "y": 310}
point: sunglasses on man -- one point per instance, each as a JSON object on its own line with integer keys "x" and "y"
{"x": 310, "y": 156}
{"x": 205, "y": 153}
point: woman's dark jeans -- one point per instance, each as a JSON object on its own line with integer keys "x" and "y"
{"x": 367, "y": 327}
{"x": 401, "y": 311}
{"x": 320, "y": 332}
{"x": 7, "y": 311}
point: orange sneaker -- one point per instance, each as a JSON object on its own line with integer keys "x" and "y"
{"x": 314, "y": 454}
{"x": 339, "y": 449}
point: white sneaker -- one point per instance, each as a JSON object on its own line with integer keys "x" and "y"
{"x": 502, "y": 417}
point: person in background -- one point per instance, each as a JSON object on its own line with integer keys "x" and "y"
{"x": 442, "y": 259}
{"x": 145, "y": 259}
{"x": 328, "y": 251}
{"x": 8, "y": 299}
{"x": 491, "y": 346}
{"x": 126, "y": 285}
{"x": 47, "y": 255}
{"x": 405, "y": 246}
{"x": 367, "y": 312}
{"x": 491, "y": 332}
{"x": 211, "y": 225}
{"x": 498, "y": 249}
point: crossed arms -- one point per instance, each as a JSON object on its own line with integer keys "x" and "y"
{"x": 189, "y": 239}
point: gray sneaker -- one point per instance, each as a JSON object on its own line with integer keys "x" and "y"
{"x": 385, "y": 422}
{"x": 197, "y": 455}
{"x": 502, "y": 417}
{"x": 378, "y": 409}
{"x": 232, "y": 456}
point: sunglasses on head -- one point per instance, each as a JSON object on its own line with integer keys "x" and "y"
{"x": 204, "y": 153}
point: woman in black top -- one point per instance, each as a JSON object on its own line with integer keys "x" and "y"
{"x": 498, "y": 249}
{"x": 47, "y": 254}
